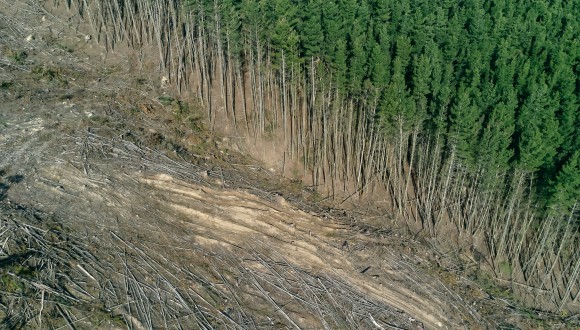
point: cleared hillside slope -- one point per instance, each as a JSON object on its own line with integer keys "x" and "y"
{"x": 119, "y": 210}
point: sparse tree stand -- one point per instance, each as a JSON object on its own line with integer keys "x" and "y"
{"x": 466, "y": 113}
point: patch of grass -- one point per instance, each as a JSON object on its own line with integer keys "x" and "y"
{"x": 64, "y": 47}
{"x": 100, "y": 120}
{"x": 196, "y": 123}
{"x": 18, "y": 56}
{"x": 118, "y": 321}
{"x": 505, "y": 268}
{"x": 179, "y": 107}
{"x": 49, "y": 73}
{"x": 99, "y": 316}
{"x": 105, "y": 71}
{"x": 184, "y": 113}
{"x": 166, "y": 100}
{"x": 489, "y": 285}
{"x": 507, "y": 326}
{"x": 6, "y": 84}
{"x": 11, "y": 284}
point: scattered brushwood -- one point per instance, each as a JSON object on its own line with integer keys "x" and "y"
{"x": 44, "y": 278}
{"x": 62, "y": 274}
{"x": 52, "y": 279}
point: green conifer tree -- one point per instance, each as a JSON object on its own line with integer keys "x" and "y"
{"x": 311, "y": 29}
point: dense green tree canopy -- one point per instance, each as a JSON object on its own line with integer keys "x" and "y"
{"x": 498, "y": 79}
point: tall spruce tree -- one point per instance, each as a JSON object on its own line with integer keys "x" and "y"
{"x": 538, "y": 130}
{"x": 311, "y": 29}
{"x": 565, "y": 192}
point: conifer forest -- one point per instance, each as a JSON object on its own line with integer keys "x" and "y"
{"x": 458, "y": 113}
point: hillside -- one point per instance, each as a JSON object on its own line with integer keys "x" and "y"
{"x": 123, "y": 205}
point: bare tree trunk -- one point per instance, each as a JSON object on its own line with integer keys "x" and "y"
{"x": 507, "y": 226}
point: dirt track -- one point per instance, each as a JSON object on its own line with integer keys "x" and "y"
{"x": 120, "y": 232}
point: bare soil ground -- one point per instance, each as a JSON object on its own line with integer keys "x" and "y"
{"x": 119, "y": 210}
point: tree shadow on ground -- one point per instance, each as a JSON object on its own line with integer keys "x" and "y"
{"x": 6, "y": 182}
